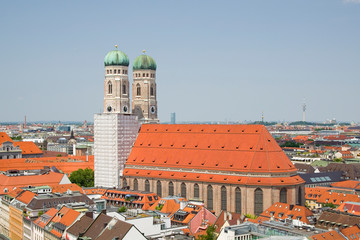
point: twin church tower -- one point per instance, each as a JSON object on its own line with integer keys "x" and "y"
{"x": 116, "y": 129}
{"x": 117, "y": 86}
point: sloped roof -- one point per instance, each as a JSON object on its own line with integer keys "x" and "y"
{"x": 61, "y": 188}
{"x": 352, "y": 232}
{"x": 350, "y": 207}
{"x": 65, "y": 216}
{"x": 169, "y": 206}
{"x": 44, "y": 219}
{"x": 65, "y": 164}
{"x": 340, "y": 219}
{"x": 80, "y": 226}
{"x": 97, "y": 226}
{"x": 118, "y": 231}
{"x": 25, "y": 197}
{"x": 338, "y": 198}
{"x": 284, "y": 210}
{"x": 28, "y": 148}
{"x": 4, "y": 138}
{"x": 239, "y": 148}
{"x": 32, "y": 180}
{"x": 351, "y": 184}
{"x": 331, "y": 235}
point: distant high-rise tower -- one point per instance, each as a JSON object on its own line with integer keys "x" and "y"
{"x": 144, "y": 104}
{"x": 304, "y": 112}
{"x": 172, "y": 118}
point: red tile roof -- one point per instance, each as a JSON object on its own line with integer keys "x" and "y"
{"x": 30, "y": 180}
{"x": 352, "y": 232}
{"x": 351, "y": 184}
{"x": 64, "y": 164}
{"x": 283, "y": 211}
{"x": 338, "y": 198}
{"x": 350, "y": 207}
{"x": 26, "y": 197}
{"x": 331, "y": 235}
{"x": 28, "y": 148}
{"x": 246, "y": 148}
{"x": 169, "y": 206}
{"x": 42, "y": 221}
{"x": 4, "y": 138}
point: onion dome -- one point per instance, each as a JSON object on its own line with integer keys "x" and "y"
{"x": 144, "y": 62}
{"x": 116, "y": 57}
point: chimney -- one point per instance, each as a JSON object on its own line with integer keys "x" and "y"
{"x": 224, "y": 215}
{"x": 89, "y": 214}
{"x": 230, "y": 216}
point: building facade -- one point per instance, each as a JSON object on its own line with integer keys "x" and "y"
{"x": 238, "y": 168}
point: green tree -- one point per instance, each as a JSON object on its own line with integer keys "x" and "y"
{"x": 83, "y": 177}
{"x": 40, "y": 213}
{"x": 210, "y": 234}
{"x": 122, "y": 209}
{"x": 330, "y": 205}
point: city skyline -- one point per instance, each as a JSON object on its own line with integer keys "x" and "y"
{"x": 216, "y": 61}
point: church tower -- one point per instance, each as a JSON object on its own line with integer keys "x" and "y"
{"x": 144, "y": 104}
{"x": 116, "y": 84}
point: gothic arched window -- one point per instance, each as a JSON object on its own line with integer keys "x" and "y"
{"x": 258, "y": 201}
{"x": 152, "y": 90}
{"x": 171, "y": 189}
{"x": 158, "y": 188}
{"x": 223, "y": 198}
{"x": 283, "y": 195}
{"x": 136, "y": 184}
{"x": 210, "y": 197}
{"x": 138, "y": 90}
{"x": 147, "y": 186}
{"x": 183, "y": 190}
{"x": 124, "y": 89}
{"x": 109, "y": 88}
{"x": 196, "y": 191}
{"x": 299, "y": 196}
{"x": 238, "y": 200}
{"x": 124, "y": 183}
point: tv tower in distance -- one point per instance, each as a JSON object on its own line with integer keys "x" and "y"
{"x": 304, "y": 111}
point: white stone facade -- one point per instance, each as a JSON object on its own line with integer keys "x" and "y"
{"x": 114, "y": 136}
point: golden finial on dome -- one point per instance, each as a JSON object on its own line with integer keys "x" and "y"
{"x": 115, "y": 46}
{"x": 144, "y": 51}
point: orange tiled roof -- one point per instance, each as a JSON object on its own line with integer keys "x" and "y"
{"x": 65, "y": 216}
{"x": 338, "y": 198}
{"x": 33, "y": 180}
{"x": 331, "y": 235}
{"x": 246, "y": 148}
{"x": 89, "y": 191}
{"x": 26, "y": 197}
{"x": 61, "y": 188}
{"x": 40, "y": 221}
{"x": 201, "y": 177}
{"x": 4, "y": 138}
{"x": 65, "y": 164}
{"x": 349, "y": 207}
{"x": 352, "y": 184}
{"x": 315, "y": 193}
{"x": 169, "y": 205}
{"x": 352, "y": 232}
{"x": 283, "y": 211}
{"x": 28, "y": 147}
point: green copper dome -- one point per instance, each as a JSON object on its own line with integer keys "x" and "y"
{"x": 116, "y": 57}
{"x": 144, "y": 62}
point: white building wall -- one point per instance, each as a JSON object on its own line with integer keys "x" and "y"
{"x": 114, "y": 136}
{"x": 133, "y": 233}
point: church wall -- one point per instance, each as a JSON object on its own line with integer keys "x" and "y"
{"x": 270, "y": 194}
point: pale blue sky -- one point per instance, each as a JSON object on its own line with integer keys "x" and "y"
{"x": 217, "y": 60}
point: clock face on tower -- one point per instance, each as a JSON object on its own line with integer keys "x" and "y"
{"x": 109, "y": 108}
{"x": 152, "y": 109}
{"x": 125, "y": 108}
